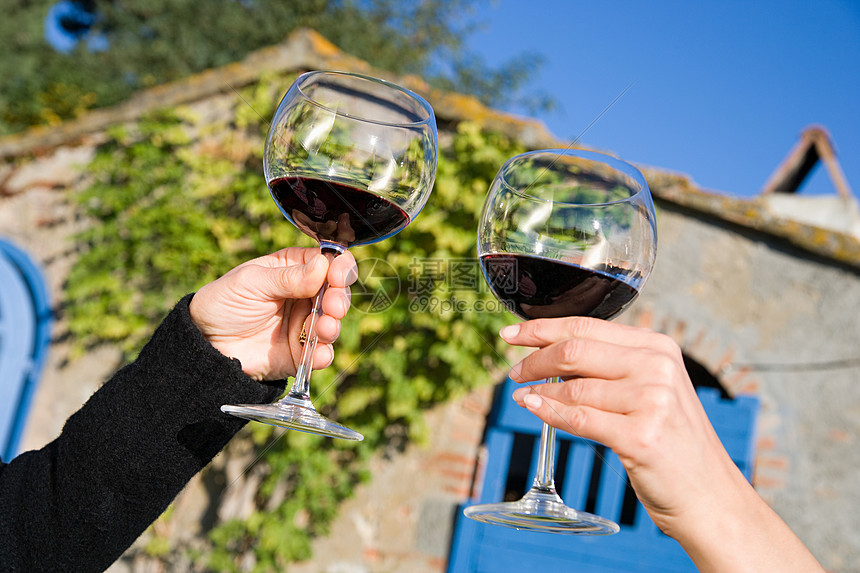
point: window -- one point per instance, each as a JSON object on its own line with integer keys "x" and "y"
{"x": 588, "y": 477}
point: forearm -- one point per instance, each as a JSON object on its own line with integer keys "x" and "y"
{"x": 78, "y": 503}
{"x": 735, "y": 531}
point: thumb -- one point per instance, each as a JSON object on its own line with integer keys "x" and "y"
{"x": 295, "y": 281}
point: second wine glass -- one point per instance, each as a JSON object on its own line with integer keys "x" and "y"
{"x": 349, "y": 160}
{"x": 563, "y": 233}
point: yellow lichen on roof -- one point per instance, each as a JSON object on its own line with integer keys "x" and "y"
{"x": 306, "y": 49}
{"x": 753, "y": 214}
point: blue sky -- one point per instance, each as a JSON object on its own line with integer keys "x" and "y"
{"x": 717, "y": 90}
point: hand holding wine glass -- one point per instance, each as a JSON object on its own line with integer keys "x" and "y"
{"x": 349, "y": 160}
{"x": 255, "y": 312}
{"x": 563, "y": 233}
{"x": 628, "y": 389}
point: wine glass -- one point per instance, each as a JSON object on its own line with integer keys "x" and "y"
{"x": 563, "y": 233}
{"x": 349, "y": 160}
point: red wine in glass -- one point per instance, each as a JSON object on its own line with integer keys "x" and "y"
{"x": 333, "y": 212}
{"x": 536, "y": 287}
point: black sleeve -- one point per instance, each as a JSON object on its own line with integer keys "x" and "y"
{"x": 78, "y": 503}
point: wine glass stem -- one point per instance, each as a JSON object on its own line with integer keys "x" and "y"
{"x": 544, "y": 476}
{"x": 302, "y": 384}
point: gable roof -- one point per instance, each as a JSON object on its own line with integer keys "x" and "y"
{"x": 813, "y": 146}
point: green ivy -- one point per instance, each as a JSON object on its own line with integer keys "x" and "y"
{"x": 178, "y": 201}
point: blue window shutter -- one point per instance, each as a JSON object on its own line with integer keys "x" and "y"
{"x": 640, "y": 546}
{"x": 25, "y": 319}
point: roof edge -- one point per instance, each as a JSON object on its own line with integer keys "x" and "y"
{"x": 306, "y": 49}
{"x": 754, "y": 214}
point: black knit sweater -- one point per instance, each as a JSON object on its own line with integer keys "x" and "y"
{"x": 78, "y": 503}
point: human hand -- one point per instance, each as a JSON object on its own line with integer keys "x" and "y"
{"x": 628, "y": 388}
{"x": 255, "y": 312}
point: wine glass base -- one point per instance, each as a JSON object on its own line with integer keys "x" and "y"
{"x": 541, "y": 513}
{"x": 294, "y": 417}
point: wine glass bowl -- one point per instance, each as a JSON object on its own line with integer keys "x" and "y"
{"x": 563, "y": 233}
{"x": 586, "y": 210}
{"x": 349, "y": 160}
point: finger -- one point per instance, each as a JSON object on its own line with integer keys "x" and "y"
{"x": 296, "y": 317}
{"x": 607, "y": 395}
{"x": 323, "y": 351}
{"x": 336, "y": 302}
{"x": 581, "y": 421}
{"x": 545, "y": 331}
{"x": 343, "y": 270}
{"x": 327, "y": 328}
{"x": 323, "y": 356}
{"x": 578, "y": 357}
{"x": 294, "y": 281}
{"x": 286, "y": 257}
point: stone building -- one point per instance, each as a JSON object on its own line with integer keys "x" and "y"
{"x": 759, "y": 292}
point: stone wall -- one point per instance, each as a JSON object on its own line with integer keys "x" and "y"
{"x": 776, "y": 321}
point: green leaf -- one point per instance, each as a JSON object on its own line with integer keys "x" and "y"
{"x": 177, "y": 204}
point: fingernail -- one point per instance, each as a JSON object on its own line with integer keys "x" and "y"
{"x": 351, "y": 275}
{"x": 329, "y": 349}
{"x": 317, "y": 261}
{"x": 519, "y": 394}
{"x": 532, "y": 401}
{"x": 515, "y": 372}
{"x": 509, "y": 332}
